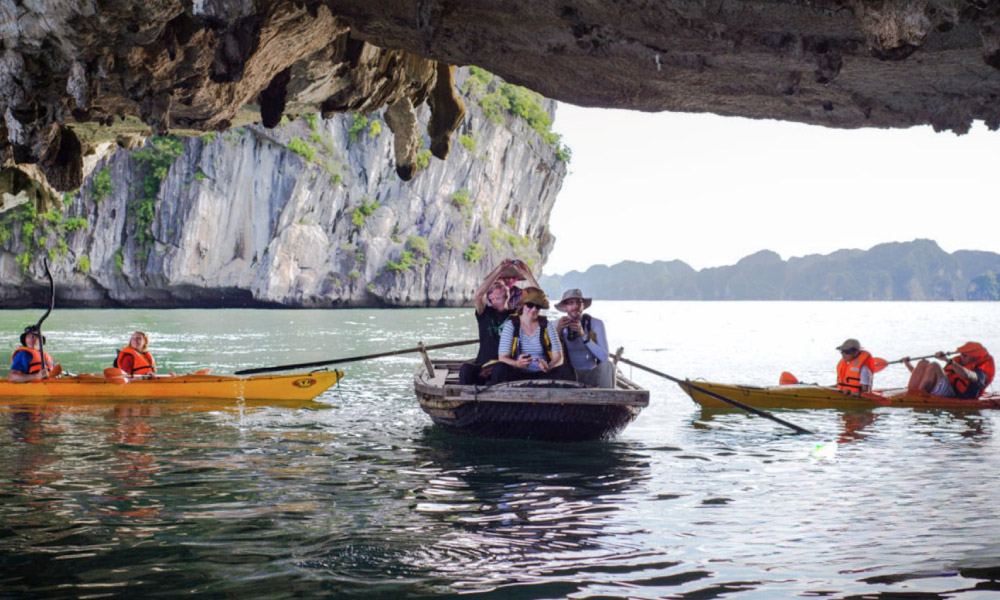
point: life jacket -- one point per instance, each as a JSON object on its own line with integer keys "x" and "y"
{"x": 543, "y": 326}
{"x": 35, "y": 364}
{"x": 984, "y": 363}
{"x": 142, "y": 362}
{"x": 849, "y": 372}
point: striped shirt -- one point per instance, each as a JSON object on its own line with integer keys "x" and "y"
{"x": 528, "y": 344}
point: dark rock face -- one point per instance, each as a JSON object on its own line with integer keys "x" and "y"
{"x": 193, "y": 66}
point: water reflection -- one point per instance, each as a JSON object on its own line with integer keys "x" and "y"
{"x": 527, "y": 513}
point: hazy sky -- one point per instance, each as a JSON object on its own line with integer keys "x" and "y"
{"x": 710, "y": 190}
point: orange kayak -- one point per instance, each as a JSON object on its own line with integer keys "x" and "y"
{"x": 817, "y": 396}
{"x": 299, "y": 386}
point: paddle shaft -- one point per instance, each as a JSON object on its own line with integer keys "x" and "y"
{"x": 702, "y": 390}
{"x": 52, "y": 304}
{"x": 354, "y": 358}
{"x": 892, "y": 362}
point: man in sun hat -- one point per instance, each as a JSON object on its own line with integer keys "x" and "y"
{"x": 585, "y": 340}
{"x": 855, "y": 369}
{"x": 965, "y": 376}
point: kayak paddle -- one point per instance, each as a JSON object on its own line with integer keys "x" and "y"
{"x": 116, "y": 376}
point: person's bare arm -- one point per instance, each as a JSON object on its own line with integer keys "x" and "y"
{"x": 484, "y": 288}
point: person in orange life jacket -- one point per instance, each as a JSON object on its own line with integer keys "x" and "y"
{"x": 135, "y": 358}
{"x": 529, "y": 344}
{"x": 26, "y": 362}
{"x": 966, "y": 376}
{"x": 584, "y": 340}
{"x": 855, "y": 369}
{"x": 491, "y": 312}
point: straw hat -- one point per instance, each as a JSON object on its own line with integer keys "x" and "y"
{"x": 573, "y": 294}
{"x": 533, "y": 295}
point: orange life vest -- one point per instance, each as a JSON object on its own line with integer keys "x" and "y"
{"x": 142, "y": 362}
{"x": 984, "y": 363}
{"x": 849, "y": 372}
{"x": 35, "y": 364}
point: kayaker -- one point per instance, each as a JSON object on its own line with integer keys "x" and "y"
{"x": 491, "y": 312}
{"x": 965, "y": 376}
{"x": 855, "y": 369}
{"x": 135, "y": 359}
{"x": 26, "y": 362}
{"x": 529, "y": 344}
{"x": 585, "y": 340}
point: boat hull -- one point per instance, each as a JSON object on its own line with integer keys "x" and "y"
{"x": 535, "y": 410}
{"x": 299, "y": 387}
{"x": 814, "y": 396}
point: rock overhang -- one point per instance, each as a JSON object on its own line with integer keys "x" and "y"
{"x": 193, "y": 67}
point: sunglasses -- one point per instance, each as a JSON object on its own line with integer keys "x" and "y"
{"x": 849, "y": 351}
{"x": 532, "y": 305}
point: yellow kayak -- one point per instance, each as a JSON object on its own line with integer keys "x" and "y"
{"x": 299, "y": 386}
{"x": 817, "y": 396}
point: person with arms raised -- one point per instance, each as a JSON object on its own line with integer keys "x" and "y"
{"x": 491, "y": 312}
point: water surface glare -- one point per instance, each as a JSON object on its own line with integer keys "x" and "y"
{"x": 358, "y": 495}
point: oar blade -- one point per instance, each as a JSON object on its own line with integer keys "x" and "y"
{"x": 787, "y": 379}
{"x": 116, "y": 376}
{"x": 880, "y": 363}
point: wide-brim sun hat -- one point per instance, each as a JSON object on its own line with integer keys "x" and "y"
{"x": 533, "y": 295}
{"x": 573, "y": 294}
{"x": 850, "y": 344}
{"x": 30, "y": 329}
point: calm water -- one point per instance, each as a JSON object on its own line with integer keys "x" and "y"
{"x": 362, "y": 497}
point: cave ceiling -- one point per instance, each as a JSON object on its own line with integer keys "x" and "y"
{"x": 72, "y": 70}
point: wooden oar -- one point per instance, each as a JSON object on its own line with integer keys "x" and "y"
{"x": 702, "y": 390}
{"x": 353, "y": 358}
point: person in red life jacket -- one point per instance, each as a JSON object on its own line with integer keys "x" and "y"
{"x": 855, "y": 369}
{"x": 965, "y": 376}
{"x": 135, "y": 359}
{"x": 26, "y": 362}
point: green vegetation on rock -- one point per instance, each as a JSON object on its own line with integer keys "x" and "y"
{"x": 156, "y": 159}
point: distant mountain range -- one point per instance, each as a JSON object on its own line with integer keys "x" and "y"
{"x": 917, "y": 270}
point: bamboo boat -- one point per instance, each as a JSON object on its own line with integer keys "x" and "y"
{"x": 817, "y": 396}
{"x": 547, "y": 410}
{"x": 298, "y": 386}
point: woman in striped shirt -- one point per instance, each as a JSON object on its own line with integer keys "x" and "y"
{"x": 529, "y": 344}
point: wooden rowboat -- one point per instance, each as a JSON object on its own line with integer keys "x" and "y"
{"x": 299, "y": 386}
{"x": 564, "y": 411}
{"x": 816, "y": 396}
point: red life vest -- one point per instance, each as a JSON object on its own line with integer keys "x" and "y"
{"x": 849, "y": 373}
{"x": 142, "y": 362}
{"x": 984, "y": 363}
{"x": 35, "y": 364}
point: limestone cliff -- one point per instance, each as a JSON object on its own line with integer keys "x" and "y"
{"x": 309, "y": 213}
